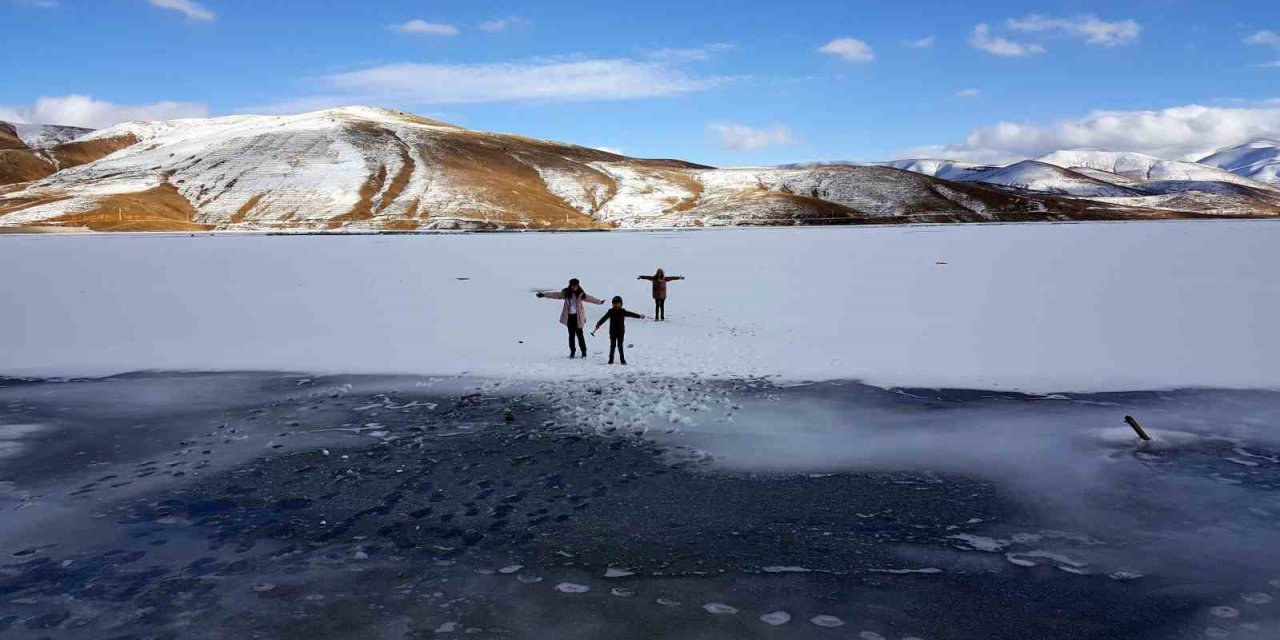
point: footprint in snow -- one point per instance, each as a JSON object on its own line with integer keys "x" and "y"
{"x": 569, "y": 587}
{"x": 719, "y": 608}
{"x": 776, "y": 618}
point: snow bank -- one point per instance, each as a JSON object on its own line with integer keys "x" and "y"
{"x": 1035, "y": 307}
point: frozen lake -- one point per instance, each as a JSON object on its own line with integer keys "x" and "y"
{"x": 860, "y": 432}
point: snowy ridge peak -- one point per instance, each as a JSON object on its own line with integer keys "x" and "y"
{"x": 1034, "y": 175}
{"x": 1257, "y": 159}
{"x": 945, "y": 169}
{"x": 1139, "y": 165}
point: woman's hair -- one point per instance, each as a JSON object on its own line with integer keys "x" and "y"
{"x": 568, "y": 291}
{"x": 617, "y": 299}
{"x": 660, "y": 272}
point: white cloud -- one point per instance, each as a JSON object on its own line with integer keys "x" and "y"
{"x": 498, "y": 25}
{"x": 968, "y": 93}
{"x": 982, "y": 40}
{"x": 922, "y": 43}
{"x": 851, "y": 49}
{"x": 1093, "y": 29}
{"x": 1274, "y": 64}
{"x": 689, "y": 54}
{"x": 743, "y": 137}
{"x": 1187, "y": 132}
{"x": 192, "y": 10}
{"x": 84, "y": 111}
{"x": 1264, "y": 38}
{"x": 550, "y": 80}
{"x": 422, "y": 27}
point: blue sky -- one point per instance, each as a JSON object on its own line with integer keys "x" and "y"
{"x": 724, "y": 83}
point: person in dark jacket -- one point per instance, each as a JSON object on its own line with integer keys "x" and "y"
{"x": 572, "y": 315}
{"x": 660, "y": 281}
{"x": 617, "y": 318}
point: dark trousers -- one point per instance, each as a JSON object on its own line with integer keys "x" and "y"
{"x": 575, "y": 331}
{"x": 615, "y": 342}
{"x": 659, "y": 309}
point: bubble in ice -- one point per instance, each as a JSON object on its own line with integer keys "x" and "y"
{"x": 827, "y": 621}
{"x": 1225, "y": 612}
{"x": 1125, "y": 576}
{"x": 1257, "y": 598}
{"x": 870, "y": 635}
{"x": 511, "y": 568}
{"x": 569, "y": 587}
{"x": 776, "y": 618}
{"x": 622, "y": 592}
{"x": 263, "y": 587}
{"x": 616, "y": 572}
{"x": 668, "y": 602}
{"x": 448, "y": 627}
{"x": 527, "y": 579}
{"x": 1215, "y": 632}
{"x": 719, "y": 608}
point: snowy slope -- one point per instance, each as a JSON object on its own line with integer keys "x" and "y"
{"x": 1257, "y": 160}
{"x": 1138, "y": 165}
{"x": 38, "y": 136}
{"x": 1043, "y": 307}
{"x": 1047, "y": 178}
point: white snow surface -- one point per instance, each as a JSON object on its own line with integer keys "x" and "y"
{"x": 1034, "y": 307}
{"x": 1257, "y": 160}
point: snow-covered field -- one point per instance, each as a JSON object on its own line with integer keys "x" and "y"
{"x": 1034, "y": 307}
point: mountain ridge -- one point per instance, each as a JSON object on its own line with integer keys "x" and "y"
{"x": 367, "y": 168}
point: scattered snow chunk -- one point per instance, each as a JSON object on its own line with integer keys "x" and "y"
{"x": 776, "y": 618}
{"x": 719, "y": 608}
{"x": 827, "y": 621}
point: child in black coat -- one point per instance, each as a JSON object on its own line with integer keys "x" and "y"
{"x": 617, "y": 318}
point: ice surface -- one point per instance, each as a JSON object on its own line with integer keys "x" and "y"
{"x": 1036, "y": 307}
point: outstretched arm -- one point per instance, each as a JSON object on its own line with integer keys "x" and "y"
{"x": 644, "y": 278}
{"x": 554, "y": 295}
{"x": 670, "y": 278}
{"x": 631, "y": 314}
{"x": 601, "y": 321}
{"x": 593, "y": 300}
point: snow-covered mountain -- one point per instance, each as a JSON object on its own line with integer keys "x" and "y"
{"x": 376, "y": 169}
{"x": 1142, "y": 166}
{"x": 1038, "y": 176}
{"x": 945, "y": 169}
{"x": 32, "y": 151}
{"x": 363, "y": 168}
{"x": 1258, "y": 160}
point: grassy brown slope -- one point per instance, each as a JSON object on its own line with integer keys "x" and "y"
{"x": 74, "y": 154}
{"x": 509, "y": 193}
{"x": 9, "y": 137}
{"x": 22, "y": 165}
{"x": 158, "y": 209}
